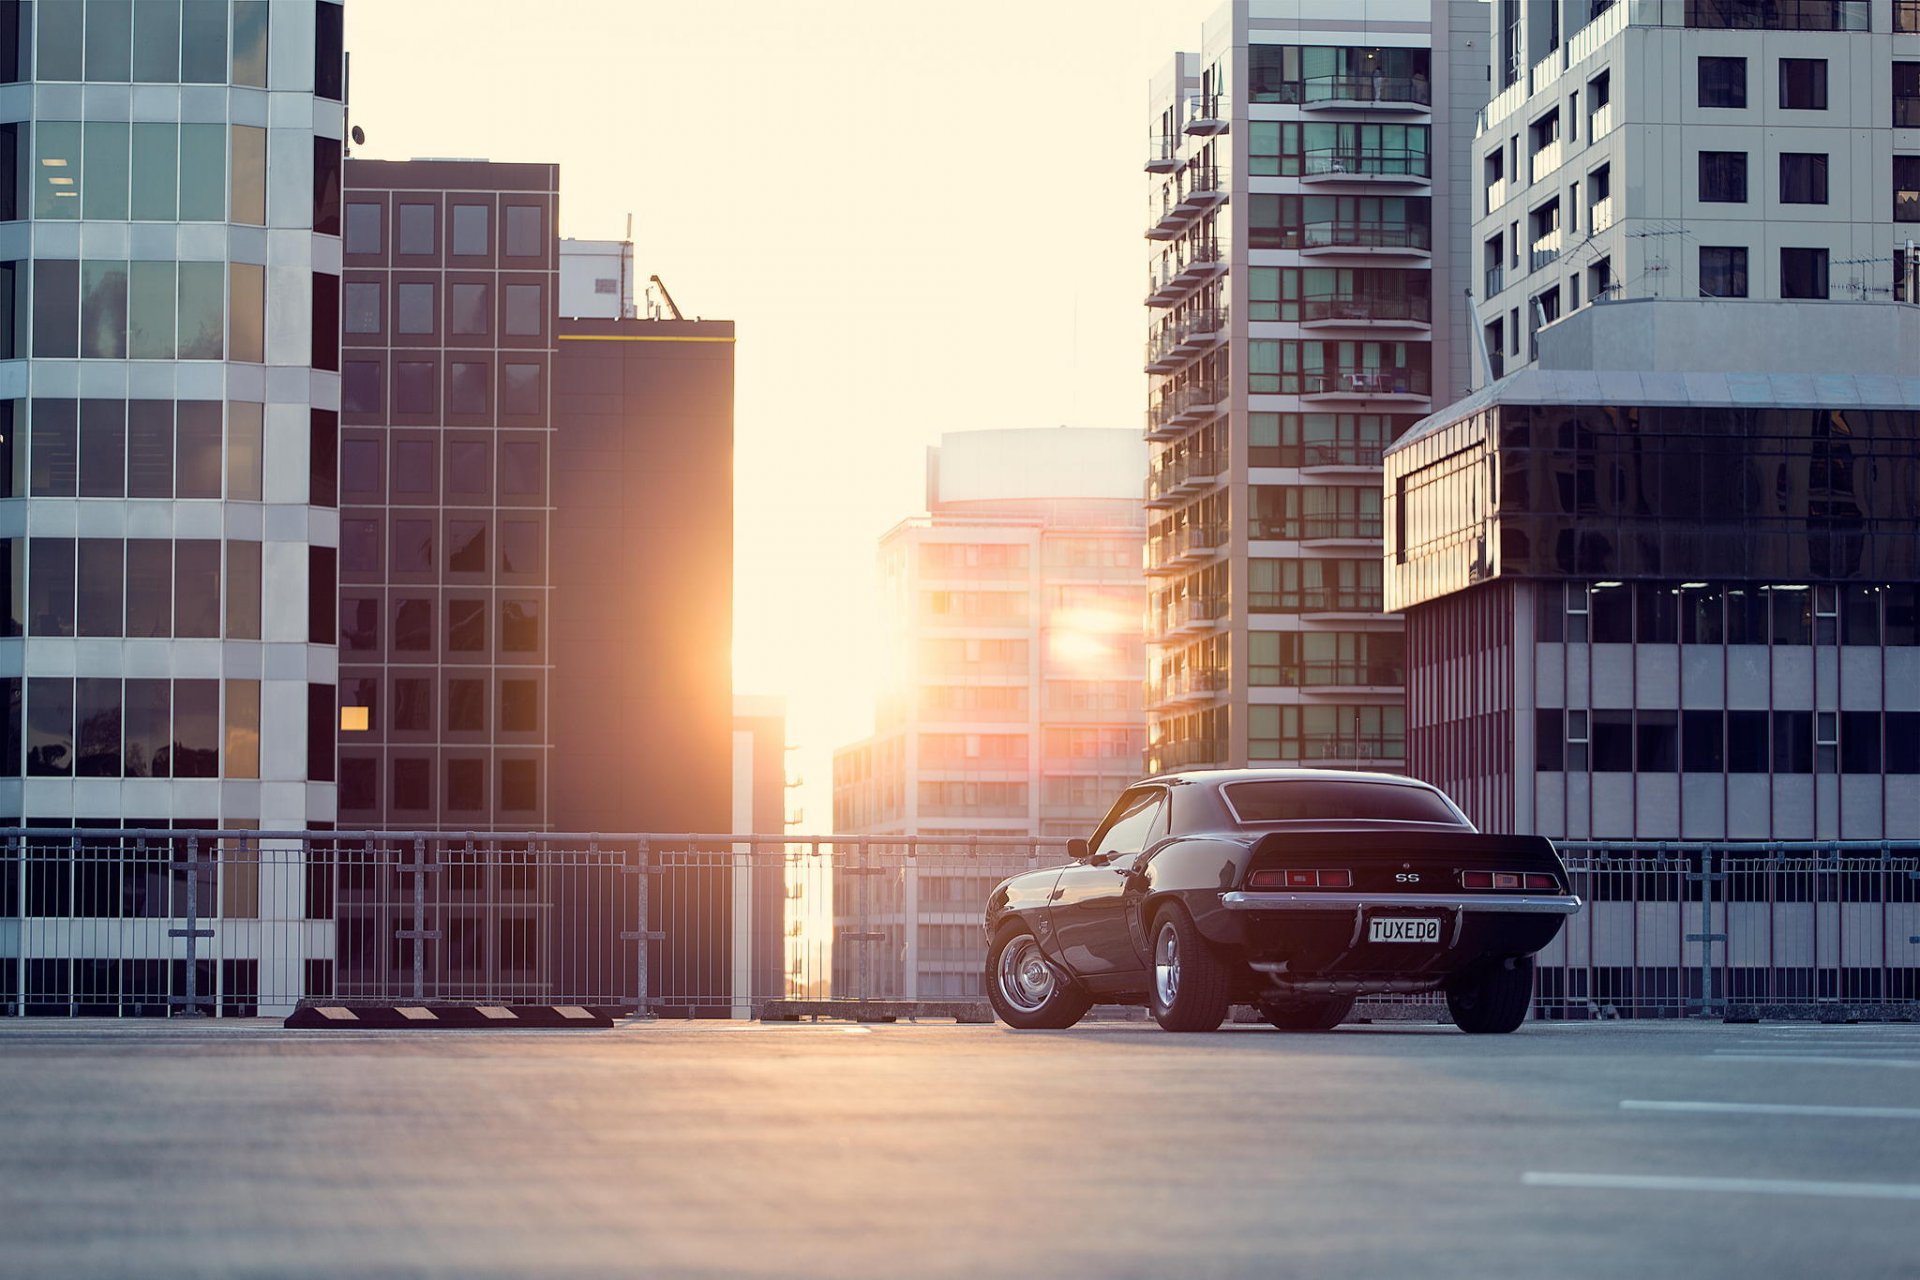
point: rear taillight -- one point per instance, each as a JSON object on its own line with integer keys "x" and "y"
{"x": 1507, "y": 880}
{"x": 1300, "y": 878}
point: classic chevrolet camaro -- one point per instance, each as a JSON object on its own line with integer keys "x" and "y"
{"x": 1293, "y": 890}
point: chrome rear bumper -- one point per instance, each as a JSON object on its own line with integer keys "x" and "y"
{"x": 1528, "y": 904}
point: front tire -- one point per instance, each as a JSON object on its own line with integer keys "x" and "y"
{"x": 1321, "y": 1014}
{"x": 1190, "y": 986}
{"x": 1492, "y": 1001}
{"x": 1028, "y": 991}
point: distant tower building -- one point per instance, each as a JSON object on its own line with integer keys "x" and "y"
{"x": 1691, "y": 148}
{"x": 1012, "y": 700}
{"x": 1306, "y": 231}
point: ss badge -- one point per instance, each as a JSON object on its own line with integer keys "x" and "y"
{"x": 1407, "y": 877}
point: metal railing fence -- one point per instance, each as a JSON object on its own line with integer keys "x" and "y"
{"x": 153, "y": 922}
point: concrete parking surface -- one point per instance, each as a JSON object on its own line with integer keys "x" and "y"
{"x": 721, "y": 1149}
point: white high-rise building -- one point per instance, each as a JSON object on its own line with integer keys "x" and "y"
{"x": 1763, "y": 149}
{"x": 169, "y": 392}
{"x": 1307, "y": 230}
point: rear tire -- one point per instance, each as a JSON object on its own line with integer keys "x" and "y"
{"x": 1028, "y": 991}
{"x": 1190, "y": 989}
{"x": 1323, "y": 1013}
{"x": 1492, "y": 1001}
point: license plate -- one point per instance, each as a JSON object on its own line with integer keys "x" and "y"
{"x": 1403, "y": 929}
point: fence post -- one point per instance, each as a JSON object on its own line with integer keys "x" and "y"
{"x": 192, "y": 933}
{"x": 910, "y": 909}
{"x": 1706, "y": 937}
{"x": 419, "y": 933}
{"x": 741, "y": 960}
{"x": 640, "y": 935}
{"x": 861, "y": 918}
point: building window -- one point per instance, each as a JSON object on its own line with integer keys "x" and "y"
{"x": 1723, "y": 82}
{"x": 1906, "y": 187}
{"x": 363, "y": 227}
{"x": 519, "y": 785}
{"x": 1723, "y": 177}
{"x": 466, "y": 706}
{"x": 1803, "y": 177}
{"x": 416, "y": 235}
{"x": 413, "y": 307}
{"x": 1803, "y": 84}
{"x": 412, "y": 783}
{"x": 1859, "y": 742}
{"x": 1803, "y": 273}
{"x": 519, "y": 706}
{"x": 413, "y": 626}
{"x": 1906, "y": 95}
{"x": 466, "y": 626}
{"x": 471, "y": 238}
{"x": 469, "y": 311}
{"x": 1703, "y": 746}
{"x": 466, "y": 785}
{"x": 1723, "y": 271}
{"x": 412, "y": 704}
{"x": 524, "y": 236}
{"x": 1777, "y": 15}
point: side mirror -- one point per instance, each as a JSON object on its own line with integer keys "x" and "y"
{"x": 1077, "y": 849}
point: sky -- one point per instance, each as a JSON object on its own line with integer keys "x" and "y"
{"x": 921, "y": 217}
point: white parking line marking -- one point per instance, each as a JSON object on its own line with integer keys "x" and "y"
{"x": 1818, "y": 1060}
{"x": 1751, "y": 1186}
{"x": 1776, "y": 1109}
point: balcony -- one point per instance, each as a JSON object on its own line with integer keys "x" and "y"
{"x": 1181, "y": 477}
{"x": 1190, "y": 751}
{"x": 1600, "y": 215}
{"x": 1180, "y": 339}
{"x": 1168, "y": 282}
{"x": 1189, "y": 544}
{"x": 1342, "y": 677}
{"x": 1382, "y": 238}
{"x": 1188, "y": 686}
{"x": 1496, "y": 194}
{"x": 1375, "y": 310}
{"x": 1366, "y": 384}
{"x": 1191, "y": 615}
{"x": 1544, "y": 251}
{"x": 1386, "y": 93}
{"x": 1210, "y": 116}
{"x": 1163, "y": 153}
{"x": 1198, "y": 187}
{"x": 1495, "y": 280}
{"x": 1330, "y": 527}
{"x": 1544, "y": 161}
{"x": 1177, "y": 410}
{"x": 1384, "y": 164}
{"x": 1342, "y": 456}
{"x": 1599, "y": 122}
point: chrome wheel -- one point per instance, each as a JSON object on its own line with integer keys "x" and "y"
{"x": 1025, "y": 978}
{"x": 1166, "y": 965}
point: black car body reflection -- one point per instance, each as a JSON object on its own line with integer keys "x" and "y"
{"x": 1294, "y": 890}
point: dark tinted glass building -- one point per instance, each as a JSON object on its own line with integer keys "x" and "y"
{"x": 1648, "y": 601}
{"x": 451, "y": 271}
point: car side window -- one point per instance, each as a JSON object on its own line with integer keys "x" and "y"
{"x": 1133, "y": 830}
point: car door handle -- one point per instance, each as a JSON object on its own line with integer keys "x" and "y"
{"x": 1056, "y": 895}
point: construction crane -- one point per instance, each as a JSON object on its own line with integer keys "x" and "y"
{"x": 661, "y": 285}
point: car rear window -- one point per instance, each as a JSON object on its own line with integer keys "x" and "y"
{"x": 1308, "y": 800}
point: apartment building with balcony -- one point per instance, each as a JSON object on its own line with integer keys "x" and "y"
{"x": 1665, "y": 583}
{"x": 1306, "y": 228}
{"x": 1757, "y": 149}
{"x": 169, "y": 351}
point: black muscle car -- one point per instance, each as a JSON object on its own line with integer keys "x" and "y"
{"x": 1293, "y": 890}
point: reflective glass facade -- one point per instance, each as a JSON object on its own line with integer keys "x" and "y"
{"x": 445, "y": 474}
{"x": 169, "y": 260}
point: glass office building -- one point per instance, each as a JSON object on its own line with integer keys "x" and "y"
{"x": 169, "y": 387}
{"x": 1670, "y": 603}
{"x": 169, "y": 288}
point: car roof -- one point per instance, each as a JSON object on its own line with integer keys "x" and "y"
{"x": 1220, "y": 777}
